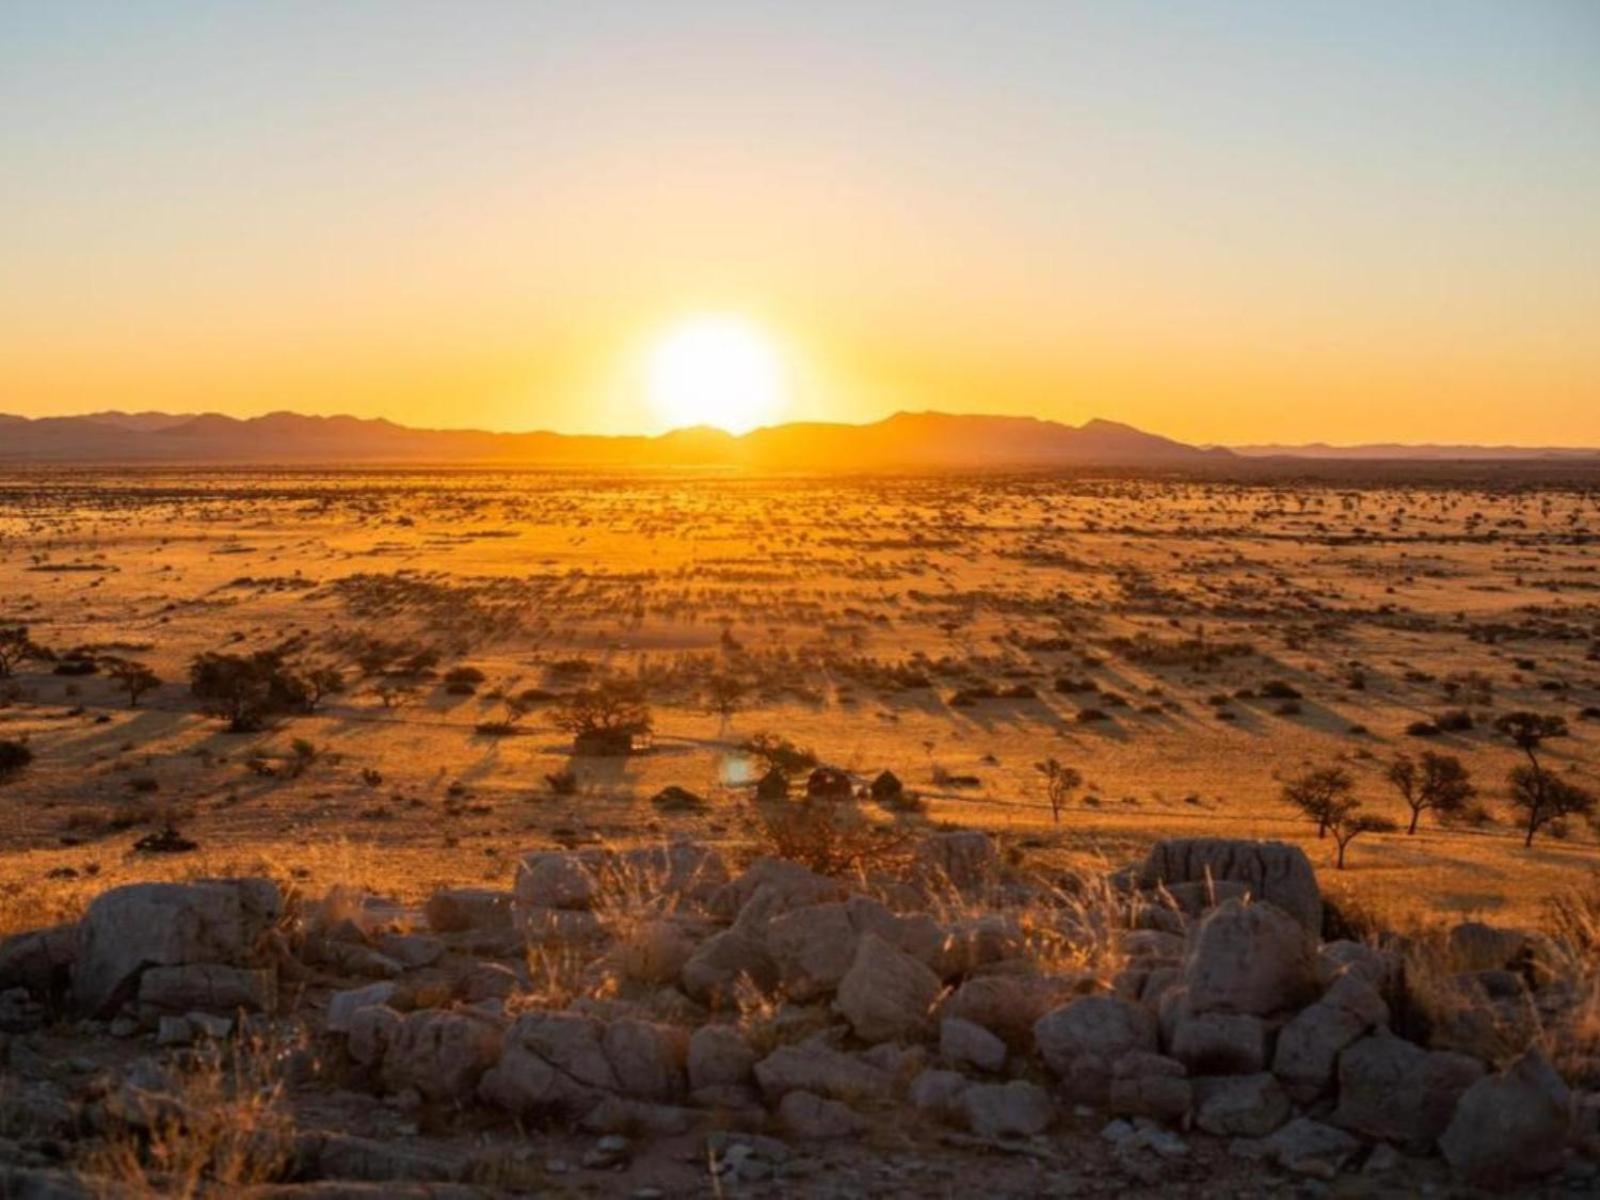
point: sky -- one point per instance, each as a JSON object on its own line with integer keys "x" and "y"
{"x": 1227, "y": 222}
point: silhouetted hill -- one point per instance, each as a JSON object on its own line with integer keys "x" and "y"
{"x": 905, "y": 440}
{"x": 1417, "y": 453}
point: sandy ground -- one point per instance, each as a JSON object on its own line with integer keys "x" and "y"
{"x": 833, "y": 602}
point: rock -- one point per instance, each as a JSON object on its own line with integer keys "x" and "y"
{"x": 342, "y": 1006}
{"x": 488, "y": 981}
{"x": 1217, "y": 1043}
{"x": 1309, "y": 1045}
{"x": 1273, "y": 871}
{"x": 562, "y": 879}
{"x": 550, "y": 1060}
{"x": 1392, "y": 1089}
{"x": 609, "y": 1151}
{"x": 962, "y": 858}
{"x": 1105, "y": 1027}
{"x": 1240, "y": 1105}
{"x": 813, "y": 948}
{"x": 815, "y": 1067}
{"x": 1015, "y": 1109}
{"x": 1149, "y": 1085}
{"x": 619, "y": 1114}
{"x": 130, "y": 929}
{"x": 784, "y": 885}
{"x": 456, "y": 910}
{"x": 210, "y": 1025}
{"x": 174, "y": 1031}
{"x": 1510, "y": 1126}
{"x": 371, "y": 1030}
{"x": 649, "y": 1061}
{"x": 1008, "y": 1006}
{"x": 715, "y": 969}
{"x": 442, "y": 1054}
{"x": 809, "y": 1116}
{"x": 208, "y": 987}
{"x": 1196, "y": 898}
{"x": 412, "y": 951}
{"x": 338, "y": 1156}
{"x": 1307, "y": 1147}
{"x": 964, "y": 1044}
{"x": 654, "y": 951}
{"x": 1380, "y": 968}
{"x": 972, "y": 943}
{"x": 1250, "y": 959}
{"x": 719, "y": 1056}
{"x": 684, "y": 870}
{"x": 937, "y": 1093}
{"x": 39, "y": 960}
{"x": 558, "y": 926}
{"x": 887, "y": 994}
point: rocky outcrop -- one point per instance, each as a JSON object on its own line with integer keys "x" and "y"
{"x": 1272, "y": 871}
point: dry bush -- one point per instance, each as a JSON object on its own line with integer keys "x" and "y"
{"x": 1573, "y": 957}
{"x": 222, "y": 1126}
{"x": 831, "y": 837}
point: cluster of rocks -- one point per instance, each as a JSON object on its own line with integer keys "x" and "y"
{"x": 783, "y": 1001}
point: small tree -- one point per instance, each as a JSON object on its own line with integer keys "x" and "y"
{"x": 1060, "y": 781}
{"x": 321, "y": 681}
{"x": 1349, "y": 825}
{"x": 1325, "y": 794}
{"x": 1543, "y": 798}
{"x": 245, "y": 689}
{"x": 604, "y": 715}
{"x": 15, "y": 645}
{"x": 1439, "y": 783}
{"x": 135, "y": 678}
{"x": 1531, "y": 785}
{"x": 723, "y": 694}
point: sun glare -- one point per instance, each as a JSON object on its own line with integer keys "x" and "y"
{"x": 716, "y": 370}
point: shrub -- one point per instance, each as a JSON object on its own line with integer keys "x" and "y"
{"x": 1325, "y": 794}
{"x": 14, "y": 759}
{"x": 245, "y": 689}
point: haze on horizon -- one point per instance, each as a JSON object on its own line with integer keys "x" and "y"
{"x": 1222, "y": 222}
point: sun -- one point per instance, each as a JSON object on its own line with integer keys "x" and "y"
{"x": 719, "y": 370}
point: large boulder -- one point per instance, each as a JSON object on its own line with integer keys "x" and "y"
{"x": 563, "y": 879}
{"x": 457, "y": 910}
{"x": 648, "y": 1060}
{"x": 1250, "y": 958}
{"x": 1082, "y": 1041}
{"x": 720, "y": 965}
{"x": 780, "y": 885}
{"x": 719, "y": 1057}
{"x": 130, "y": 929}
{"x": 439, "y": 1053}
{"x": 815, "y": 946}
{"x": 1309, "y": 1045}
{"x": 550, "y": 1060}
{"x": 1221, "y": 1044}
{"x": 1149, "y": 1085}
{"x": 1392, "y": 1089}
{"x": 887, "y": 995}
{"x": 1510, "y": 1126}
{"x": 1272, "y": 871}
{"x": 1014, "y": 1109}
{"x": 1488, "y": 1014}
{"x": 207, "y": 987}
{"x": 813, "y": 1066}
{"x": 39, "y": 960}
{"x": 961, "y": 858}
{"x": 1008, "y": 1006}
{"x": 1240, "y": 1105}
{"x": 810, "y": 1117}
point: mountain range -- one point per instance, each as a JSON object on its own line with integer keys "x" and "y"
{"x": 906, "y": 440}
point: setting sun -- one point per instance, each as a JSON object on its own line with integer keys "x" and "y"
{"x": 716, "y": 370}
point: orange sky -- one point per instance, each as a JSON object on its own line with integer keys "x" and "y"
{"x": 1225, "y": 223}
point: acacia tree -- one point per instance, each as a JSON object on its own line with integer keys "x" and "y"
{"x": 1543, "y": 798}
{"x": 604, "y": 715}
{"x": 1325, "y": 794}
{"x": 15, "y": 645}
{"x": 1439, "y": 782}
{"x": 1059, "y": 783}
{"x": 1350, "y": 824}
{"x": 135, "y": 678}
{"x": 723, "y": 693}
{"x": 321, "y": 681}
{"x": 1533, "y": 789}
{"x": 245, "y": 689}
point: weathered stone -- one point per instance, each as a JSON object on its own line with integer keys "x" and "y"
{"x": 1309, "y": 1047}
{"x": 1218, "y": 1043}
{"x": 714, "y": 971}
{"x": 371, "y": 1030}
{"x": 1490, "y": 1015}
{"x": 783, "y": 885}
{"x": 563, "y": 879}
{"x": 815, "y": 1067}
{"x": 129, "y": 929}
{"x": 719, "y": 1056}
{"x": 342, "y": 1006}
{"x": 937, "y": 1093}
{"x": 488, "y": 981}
{"x": 1105, "y": 1027}
{"x": 1510, "y": 1126}
{"x": 413, "y": 951}
{"x": 1380, "y": 968}
{"x": 1273, "y": 871}
{"x": 964, "y": 1044}
{"x": 1008, "y": 1006}
{"x": 887, "y": 994}
{"x": 1015, "y": 1109}
{"x": 683, "y": 870}
{"x": 1240, "y": 1105}
{"x": 1307, "y": 1147}
{"x": 550, "y": 1060}
{"x": 1250, "y": 959}
{"x": 813, "y": 948}
{"x": 1149, "y": 1085}
{"x": 540, "y": 926}
{"x": 648, "y": 1060}
{"x": 1392, "y": 1089}
{"x": 441, "y": 1054}
{"x": 456, "y": 910}
{"x": 620, "y": 1114}
{"x": 808, "y": 1116}
{"x": 1474, "y": 946}
{"x": 208, "y": 987}
{"x": 39, "y": 960}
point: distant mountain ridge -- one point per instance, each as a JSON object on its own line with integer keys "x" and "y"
{"x": 1397, "y": 451}
{"x": 904, "y": 440}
